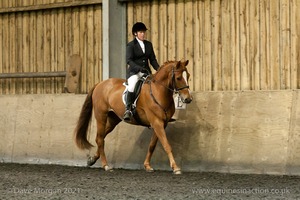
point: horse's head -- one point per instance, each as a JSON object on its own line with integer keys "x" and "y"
{"x": 179, "y": 80}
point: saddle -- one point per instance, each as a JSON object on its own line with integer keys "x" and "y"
{"x": 137, "y": 91}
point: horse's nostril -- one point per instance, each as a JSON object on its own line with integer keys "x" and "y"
{"x": 187, "y": 100}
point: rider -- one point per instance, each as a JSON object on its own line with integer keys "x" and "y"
{"x": 139, "y": 52}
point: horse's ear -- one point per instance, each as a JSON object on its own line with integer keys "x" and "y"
{"x": 178, "y": 65}
{"x": 186, "y": 63}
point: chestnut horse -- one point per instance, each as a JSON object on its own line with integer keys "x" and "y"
{"x": 155, "y": 107}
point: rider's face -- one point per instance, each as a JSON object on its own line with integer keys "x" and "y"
{"x": 141, "y": 35}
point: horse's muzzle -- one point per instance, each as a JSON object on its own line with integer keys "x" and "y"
{"x": 187, "y": 100}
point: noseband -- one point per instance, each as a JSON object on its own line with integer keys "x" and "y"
{"x": 175, "y": 89}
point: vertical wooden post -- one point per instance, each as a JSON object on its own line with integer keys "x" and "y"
{"x": 73, "y": 74}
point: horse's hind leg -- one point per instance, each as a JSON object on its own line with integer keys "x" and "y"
{"x": 151, "y": 149}
{"x": 103, "y": 129}
{"x": 100, "y": 142}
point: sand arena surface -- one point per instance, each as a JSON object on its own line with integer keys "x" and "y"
{"x": 24, "y": 181}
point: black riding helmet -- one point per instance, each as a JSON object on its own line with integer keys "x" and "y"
{"x": 139, "y": 26}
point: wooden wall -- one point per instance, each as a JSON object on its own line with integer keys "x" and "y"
{"x": 232, "y": 44}
{"x": 40, "y": 36}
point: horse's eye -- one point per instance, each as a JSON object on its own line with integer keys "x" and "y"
{"x": 179, "y": 78}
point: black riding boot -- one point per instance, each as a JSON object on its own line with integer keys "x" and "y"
{"x": 129, "y": 102}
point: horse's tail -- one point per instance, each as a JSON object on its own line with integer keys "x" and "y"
{"x": 83, "y": 122}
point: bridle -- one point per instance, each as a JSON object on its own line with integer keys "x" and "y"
{"x": 176, "y": 90}
{"x": 173, "y": 89}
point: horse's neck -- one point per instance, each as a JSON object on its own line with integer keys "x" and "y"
{"x": 162, "y": 87}
{"x": 163, "y": 75}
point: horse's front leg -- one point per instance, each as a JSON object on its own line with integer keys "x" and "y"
{"x": 161, "y": 134}
{"x": 151, "y": 149}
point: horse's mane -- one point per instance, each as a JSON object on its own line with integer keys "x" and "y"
{"x": 169, "y": 61}
{"x": 166, "y": 63}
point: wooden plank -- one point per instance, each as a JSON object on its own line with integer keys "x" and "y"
{"x": 73, "y": 74}
{"x": 172, "y": 23}
{"x": 19, "y": 3}
{"x": 12, "y": 50}
{"x": 180, "y": 30}
{"x": 155, "y": 31}
{"x": 53, "y": 48}
{"x": 207, "y": 46}
{"x": 76, "y": 29}
{"x": 235, "y": 44}
{"x": 98, "y": 43}
{"x": 5, "y": 3}
{"x": 145, "y": 9}
{"x": 244, "y": 45}
{"x": 68, "y": 39}
{"x": 138, "y": 12}
{"x": 197, "y": 60}
{"x": 285, "y": 46}
{"x": 297, "y": 53}
{"x": 40, "y": 49}
{"x": 47, "y": 51}
{"x": 274, "y": 45}
{"x": 83, "y": 48}
{"x": 295, "y": 44}
{"x": 68, "y": 33}
{"x": 163, "y": 37}
{"x": 61, "y": 45}
{"x": 12, "y": 3}
{"x": 30, "y": 2}
{"x": 130, "y": 20}
{"x": 25, "y": 51}
{"x": 226, "y": 43}
{"x": 90, "y": 47}
{"x": 33, "y": 50}
{"x": 254, "y": 63}
{"x": 45, "y": 6}
{"x": 33, "y": 74}
{"x": 189, "y": 34}
{"x": 264, "y": 35}
{"x": 1, "y": 52}
{"x": 216, "y": 46}
{"x": 19, "y": 53}
{"x": 5, "y": 56}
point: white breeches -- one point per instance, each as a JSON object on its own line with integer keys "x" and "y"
{"x": 132, "y": 80}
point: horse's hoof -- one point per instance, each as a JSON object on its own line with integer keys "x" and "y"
{"x": 177, "y": 172}
{"x": 108, "y": 168}
{"x": 150, "y": 170}
{"x": 91, "y": 161}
